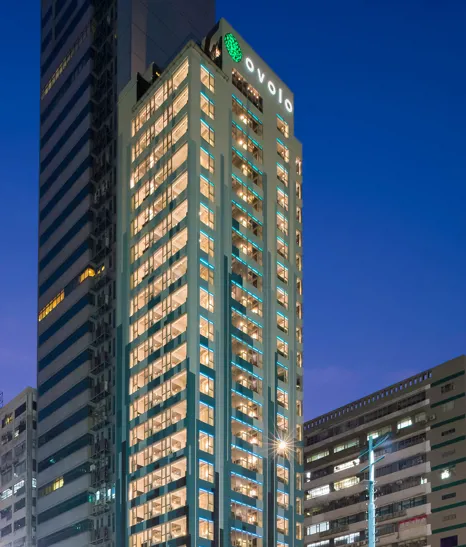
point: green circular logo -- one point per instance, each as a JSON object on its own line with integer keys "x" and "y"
{"x": 233, "y": 47}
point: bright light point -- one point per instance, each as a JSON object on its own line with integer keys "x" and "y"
{"x": 282, "y": 445}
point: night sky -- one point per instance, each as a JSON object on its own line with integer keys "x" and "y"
{"x": 380, "y": 104}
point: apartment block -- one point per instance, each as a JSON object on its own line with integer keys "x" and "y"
{"x": 209, "y": 294}
{"x": 421, "y": 481}
{"x": 90, "y": 49}
{"x": 18, "y": 493}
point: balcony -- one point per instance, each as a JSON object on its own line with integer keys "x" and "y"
{"x": 100, "y": 391}
{"x": 100, "y": 535}
{"x": 332, "y": 531}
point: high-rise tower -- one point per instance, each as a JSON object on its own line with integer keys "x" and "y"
{"x": 209, "y": 302}
{"x": 89, "y": 51}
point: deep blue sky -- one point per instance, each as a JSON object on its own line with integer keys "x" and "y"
{"x": 380, "y": 93}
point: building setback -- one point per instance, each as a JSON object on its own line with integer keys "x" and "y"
{"x": 18, "y": 471}
{"x": 420, "y": 483}
{"x": 89, "y": 51}
{"x": 209, "y": 315}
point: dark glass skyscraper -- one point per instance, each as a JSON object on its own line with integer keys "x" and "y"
{"x": 89, "y": 51}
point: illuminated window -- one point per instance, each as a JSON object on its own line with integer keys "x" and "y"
{"x": 206, "y": 413}
{"x": 282, "y": 347}
{"x": 153, "y": 131}
{"x": 379, "y": 432}
{"x": 88, "y": 272}
{"x": 246, "y": 116}
{"x": 348, "y": 539}
{"x": 323, "y": 543}
{"x": 299, "y": 481}
{"x": 206, "y": 385}
{"x": 299, "y": 286}
{"x": 282, "y": 525}
{"x": 49, "y": 488}
{"x": 206, "y": 471}
{"x": 282, "y": 272}
{"x": 299, "y": 190}
{"x": 206, "y": 442}
{"x": 316, "y": 528}
{"x": 206, "y": 272}
{"x": 299, "y": 238}
{"x": 346, "y": 483}
{"x": 207, "y": 161}
{"x": 18, "y": 486}
{"x": 207, "y": 133}
{"x": 299, "y": 359}
{"x": 282, "y": 322}
{"x": 244, "y": 141}
{"x": 282, "y": 174}
{"x": 206, "y": 328}
{"x": 206, "y": 529}
{"x": 299, "y": 505}
{"x": 207, "y": 188}
{"x": 282, "y": 199}
{"x": 282, "y": 248}
{"x": 207, "y": 216}
{"x": 299, "y": 310}
{"x": 445, "y": 474}
{"x": 207, "y": 78}
{"x": 282, "y": 372}
{"x": 299, "y": 166}
{"x": 299, "y": 262}
{"x": 247, "y": 194}
{"x": 282, "y": 424}
{"x": 283, "y": 474}
{"x": 282, "y": 126}
{"x": 299, "y": 335}
{"x": 405, "y": 422}
{"x": 346, "y": 445}
{"x": 247, "y": 89}
{"x": 299, "y": 405}
{"x": 206, "y": 244}
{"x": 299, "y": 214}
{"x": 282, "y": 223}
{"x": 206, "y": 357}
{"x": 65, "y": 62}
{"x": 206, "y": 500}
{"x": 283, "y": 499}
{"x": 207, "y": 106}
{"x": 283, "y": 151}
{"x": 282, "y": 398}
{"x": 51, "y": 305}
{"x": 346, "y": 465}
{"x": 247, "y": 168}
{"x": 317, "y": 492}
{"x": 282, "y": 297}
{"x": 206, "y": 300}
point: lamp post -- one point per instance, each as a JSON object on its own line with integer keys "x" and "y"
{"x": 371, "y": 485}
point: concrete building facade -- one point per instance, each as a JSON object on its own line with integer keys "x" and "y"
{"x": 18, "y": 493}
{"x": 420, "y": 483}
{"x": 209, "y": 292}
{"x": 89, "y": 51}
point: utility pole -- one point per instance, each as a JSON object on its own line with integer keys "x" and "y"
{"x": 371, "y": 485}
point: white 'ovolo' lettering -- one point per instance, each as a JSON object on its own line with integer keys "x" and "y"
{"x": 270, "y": 85}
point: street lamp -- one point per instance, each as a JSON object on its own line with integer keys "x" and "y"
{"x": 371, "y": 485}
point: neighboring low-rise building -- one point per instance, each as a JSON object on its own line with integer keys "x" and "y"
{"x": 420, "y": 483}
{"x": 18, "y": 471}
